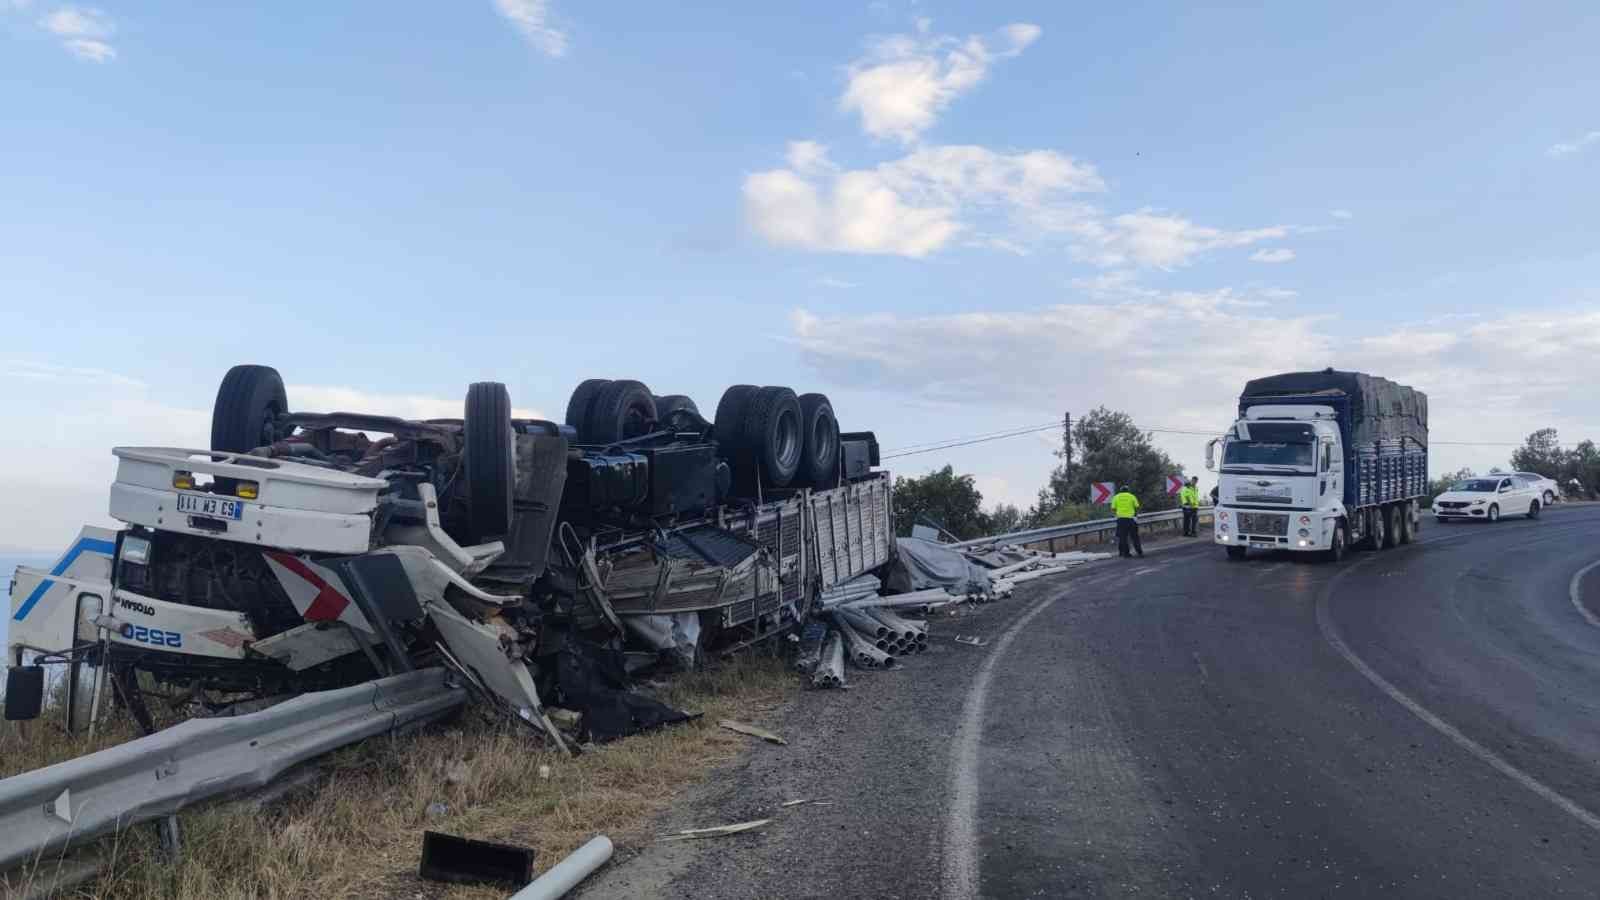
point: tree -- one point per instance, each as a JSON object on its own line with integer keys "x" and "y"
{"x": 1441, "y": 484}
{"x": 1006, "y": 518}
{"x": 941, "y": 498}
{"x": 1541, "y": 453}
{"x": 1105, "y": 446}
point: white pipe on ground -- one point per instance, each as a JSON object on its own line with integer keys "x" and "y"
{"x": 565, "y": 875}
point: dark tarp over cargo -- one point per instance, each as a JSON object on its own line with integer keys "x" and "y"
{"x": 1380, "y": 410}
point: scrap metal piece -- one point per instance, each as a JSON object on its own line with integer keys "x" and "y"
{"x": 971, "y": 640}
{"x": 446, "y": 857}
{"x": 718, "y": 831}
{"x": 752, "y": 730}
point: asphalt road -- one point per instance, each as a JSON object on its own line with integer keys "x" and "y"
{"x": 1424, "y": 721}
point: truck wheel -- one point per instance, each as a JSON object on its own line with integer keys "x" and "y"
{"x": 1494, "y": 512}
{"x": 1236, "y": 552}
{"x": 491, "y": 472}
{"x": 1390, "y": 532}
{"x": 1376, "y": 539}
{"x": 819, "y": 463}
{"x": 622, "y": 410}
{"x": 1337, "y": 548}
{"x": 581, "y": 402}
{"x": 248, "y": 404}
{"x": 772, "y": 433}
{"x": 1408, "y": 521}
{"x": 729, "y": 422}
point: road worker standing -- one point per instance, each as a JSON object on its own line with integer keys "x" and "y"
{"x": 1189, "y": 499}
{"x": 1126, "y": 507}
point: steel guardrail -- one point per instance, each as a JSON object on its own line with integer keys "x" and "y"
{"x": 1035, "y": 535}
{"x": 51, "y": 809}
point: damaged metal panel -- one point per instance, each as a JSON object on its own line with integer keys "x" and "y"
{"x": 853, "y": 531}
{"x": 46, "y": 810}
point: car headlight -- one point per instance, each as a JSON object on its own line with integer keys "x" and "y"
{"x": 136, "y": 550}
{"x": 1478, "y": 502}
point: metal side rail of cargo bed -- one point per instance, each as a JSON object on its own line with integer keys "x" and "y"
{"x": 52, "y": 809}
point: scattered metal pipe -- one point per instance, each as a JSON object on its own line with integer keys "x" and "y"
{"x": 830, "y": 670}
{"x": 565, "y": 875}
{"x": 863, "y": 622}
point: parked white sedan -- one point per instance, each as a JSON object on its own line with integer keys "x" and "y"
{"x": 1489, "y": 499}
{"x": 1548, "y": 489}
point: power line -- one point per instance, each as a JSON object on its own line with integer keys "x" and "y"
{"x": 970, "y": 440}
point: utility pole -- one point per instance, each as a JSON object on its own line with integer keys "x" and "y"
{"x": 1066, "y": 426}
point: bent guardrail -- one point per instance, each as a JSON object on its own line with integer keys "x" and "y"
{"x": 70, "y": 803}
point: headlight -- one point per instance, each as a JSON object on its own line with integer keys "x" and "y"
{"x": 1305, "y": 533}
{"x": 136, "y": 550}
{"x": 1478, "y": 502}
{"x": 1223, "y": 515}
{"x": 1223, "y": 528}
{"x": 1305, "y": 520}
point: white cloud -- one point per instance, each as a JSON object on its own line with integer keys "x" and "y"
{"x": 912, "y": 206}
{"x": 90, "y": 50}
{"x": 1274, "y": 255}
{"x": 532, "y": 19}
{"x": 1156, "y": 356}
{"x": 809, "y": 158}
{"x": 905, "y": 81}
{"x": 1154, "y": 239}
{"x": 1341, "y": 213}
{"x": 326, "y": 398}
{"x": 1567, "y": 148}
{"x": 83, "y": 31}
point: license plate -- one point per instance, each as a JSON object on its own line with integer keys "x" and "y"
{"x": 1262, "y": 545}
{"x": 214, "y": 507}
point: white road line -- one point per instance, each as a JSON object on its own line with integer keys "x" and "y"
{"x": 960, "y": 856}
{"x": 1577, "y": 600}
{"x": 1330, "y": 632}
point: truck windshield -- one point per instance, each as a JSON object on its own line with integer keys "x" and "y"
{"x": 1267, "y": 453}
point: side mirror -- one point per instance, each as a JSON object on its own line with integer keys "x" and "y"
{"x": 1211, "y": 455}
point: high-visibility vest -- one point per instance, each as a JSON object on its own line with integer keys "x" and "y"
{"x": 1125, "y": 505}
{"x": 1188, "y": 496}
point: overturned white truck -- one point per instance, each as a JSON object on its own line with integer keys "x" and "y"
{"x": 313, "y": 550}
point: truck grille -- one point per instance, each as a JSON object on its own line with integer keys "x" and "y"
{"x": 1263, "y": 524}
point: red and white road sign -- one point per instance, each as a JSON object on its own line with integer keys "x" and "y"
{"x": 1100, "y": 491}
{"x": 316, "y": 592}
{"x": 1174, "y": 484}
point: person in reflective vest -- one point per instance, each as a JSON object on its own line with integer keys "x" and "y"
{"x": 1189, "y": 499}
{"x": 1126, "y": 507}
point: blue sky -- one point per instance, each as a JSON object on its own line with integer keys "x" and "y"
{"x": 952, "y": 218}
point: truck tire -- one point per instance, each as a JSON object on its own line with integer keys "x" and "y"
{"x": 1390, "y": 531}
{"x": 1376, "y": 540}
{"x": 1337, "y": 548}
{"x": 773, "y": 437}
{"x": 249, "y": 401}
{"x": 1236, "y": 553}
{"x": 729, "y": 421}
{"x": 819, "y": 461}
{"x": 490, "y": 469}
{"x": 622, "y": 410}
{"x": 581, "y": 402}
{"x": 1407, "y": 523}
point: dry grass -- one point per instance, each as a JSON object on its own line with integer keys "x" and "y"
{"x": 359, "y": 832}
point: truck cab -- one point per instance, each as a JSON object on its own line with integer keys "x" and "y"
{"x": 1281, "y": 480}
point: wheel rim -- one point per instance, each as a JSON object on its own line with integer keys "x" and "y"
{"x": 788, "y": 443}
{"x": 1494, "y": 513}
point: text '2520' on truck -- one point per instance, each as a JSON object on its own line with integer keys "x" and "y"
{"x": 299, "y": 552}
